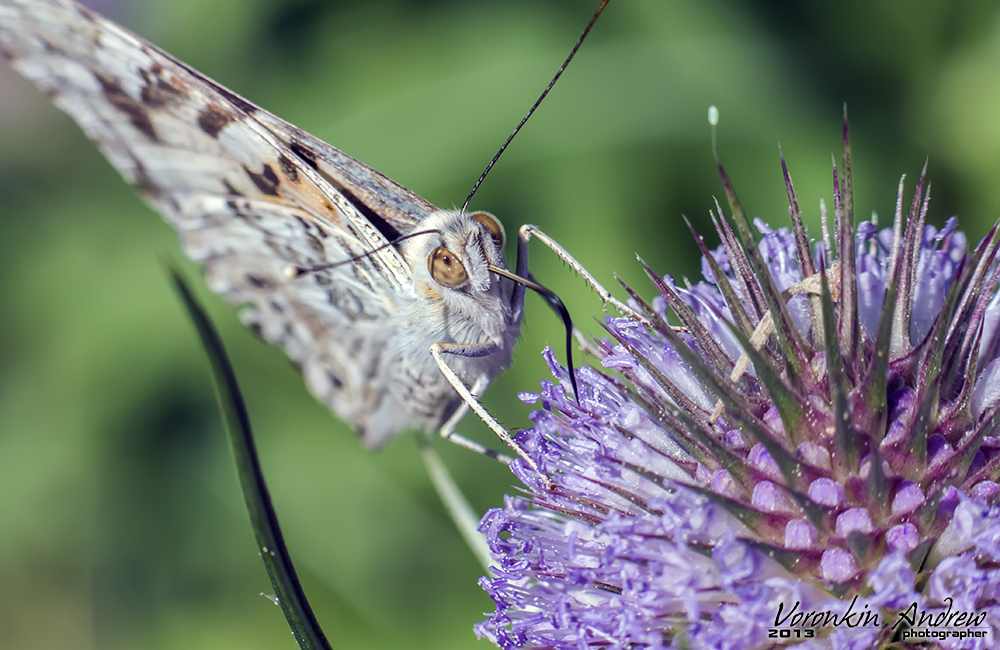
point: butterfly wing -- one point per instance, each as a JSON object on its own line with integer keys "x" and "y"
{"x": 381, "y": 199}
{"x": 374, "y": 194}
{"x": 249, "y": 194}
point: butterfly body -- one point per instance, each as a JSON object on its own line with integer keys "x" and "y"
{"x": 480, "y": 312}
{"x": 252, "y": 196}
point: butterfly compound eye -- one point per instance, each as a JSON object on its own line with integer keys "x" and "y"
{"x": 493, "y": 225}
{"x": 446, "y": 269}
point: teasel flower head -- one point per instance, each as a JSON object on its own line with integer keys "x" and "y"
{"x": 848, "y": 473}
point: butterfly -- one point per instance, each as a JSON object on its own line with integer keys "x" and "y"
{"x": 364, "y": 284}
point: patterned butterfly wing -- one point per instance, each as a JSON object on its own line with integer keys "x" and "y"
{"x": 249, "y": 193}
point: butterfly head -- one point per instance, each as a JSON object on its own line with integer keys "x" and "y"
{"x": 458, "y": 253}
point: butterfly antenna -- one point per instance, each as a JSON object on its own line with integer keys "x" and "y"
{"x": 537, "y": 103}
{"x": 291, "y": 272}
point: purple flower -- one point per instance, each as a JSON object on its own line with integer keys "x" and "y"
{"x": 837, "y": 491}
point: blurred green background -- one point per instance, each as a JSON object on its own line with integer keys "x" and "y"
{"x": 120, "y": 521}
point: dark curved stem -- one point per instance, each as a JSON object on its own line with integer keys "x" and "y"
{"x": 270, "y": 542}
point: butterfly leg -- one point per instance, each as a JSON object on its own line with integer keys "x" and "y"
{"x": 447, "y": 430}
{"x": 524, "y": 235}
{"x": 476, "y": 350}
{"x": 451, "y": 495}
